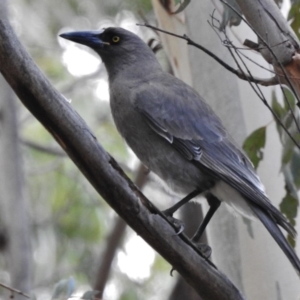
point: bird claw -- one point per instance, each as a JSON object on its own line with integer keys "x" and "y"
{"x": 177, "y": 224}
{"x": 204, "y": 249}
{"x": 171, "y": 272}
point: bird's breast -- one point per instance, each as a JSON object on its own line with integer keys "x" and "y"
{"x": 154, "y": 151}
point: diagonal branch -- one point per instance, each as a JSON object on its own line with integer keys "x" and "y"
{"x": 14, "y": 291}
{"x": 114, "y": 240}
{"x": 73, "y": 135}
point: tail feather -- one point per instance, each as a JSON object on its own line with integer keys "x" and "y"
{"x": 276, "y": 233}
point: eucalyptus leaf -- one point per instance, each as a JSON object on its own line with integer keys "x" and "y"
{"x": 168, "y": 7}
{"x": 230, "y": 17}
{"x": 183, "y": 5}
{"x": 289, "y": 206}
{"x": 254, "y": 144}
{"x": 294, "y": 15}
{"x": 279, "y": 112}
{"x": 290, "y": 187}
{"x": 291, "y": 241}
{"x": 295, "y": 168}
{"x": 290, "y": 160}
{"x": 290, "y": 98}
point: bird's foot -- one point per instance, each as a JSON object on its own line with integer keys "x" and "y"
{"x": 179, "y": 226}
{"x": 204, "y": 249}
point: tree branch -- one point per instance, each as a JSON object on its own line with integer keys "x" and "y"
{"x": 45, "y": 149}
{"x": 114, "y": 239}
{"x": 238, "y": 73}
{"x": 13, "y": 291}
{"x": 74, "y": 136}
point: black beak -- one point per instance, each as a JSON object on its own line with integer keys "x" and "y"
{"x": 88, "y": 38}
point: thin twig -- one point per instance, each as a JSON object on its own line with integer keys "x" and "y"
{"x": 14, "y": 290}
{"x": 42, "y": 148}
{"x": 260, "y": 94}
{"x": 286, "y": 77}
{"x": 229, "y": 44}
{"x": 241, "y": 75}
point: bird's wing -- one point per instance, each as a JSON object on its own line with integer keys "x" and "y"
{"x": 178, "y": 114}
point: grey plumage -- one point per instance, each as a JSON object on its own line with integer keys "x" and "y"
{"x": 176, "y": 134}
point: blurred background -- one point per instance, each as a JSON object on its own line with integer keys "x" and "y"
{"x": 57, "y": 236}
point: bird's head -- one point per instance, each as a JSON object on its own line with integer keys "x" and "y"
{"x": 116, "y": 46}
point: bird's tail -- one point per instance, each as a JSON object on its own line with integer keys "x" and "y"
{"x": 271, "y": 225}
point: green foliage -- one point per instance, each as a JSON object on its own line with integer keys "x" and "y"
{"x": 129, "y": 295}
{"x": 254, "y": 144}
{"x": 290, "y": 160}
{"x": 294, "y": 15}
{"x": 54, "y": 69}
{"x": 229, "y": 16}
{"x": 75, "y": 218}
{"x": 182, "y": 5}
{"x": 289, "y": 206}
{"x": 160, "y": 265}
{"x": 144, "y": 6}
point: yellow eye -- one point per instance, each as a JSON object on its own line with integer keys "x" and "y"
{"x": 115, "y": 39}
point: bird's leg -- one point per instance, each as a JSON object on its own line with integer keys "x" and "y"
{"x": 214, "y": 204}
{"x": 170, "y": 211}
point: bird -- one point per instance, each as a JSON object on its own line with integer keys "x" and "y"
{"x": 177, "y": 135}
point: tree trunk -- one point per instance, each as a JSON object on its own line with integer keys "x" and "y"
{"x": 214, "y": 83}
{"x": 243, "y": 250}
{"x": 13, "y": 206}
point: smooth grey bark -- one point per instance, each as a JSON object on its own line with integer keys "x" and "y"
{"x": 277, "y": 42}
{"x": 272, "y": 29}
{"x": 13, "y": 206}
{"x": 220, "y": 89}
{"x": 73, "y": 135}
